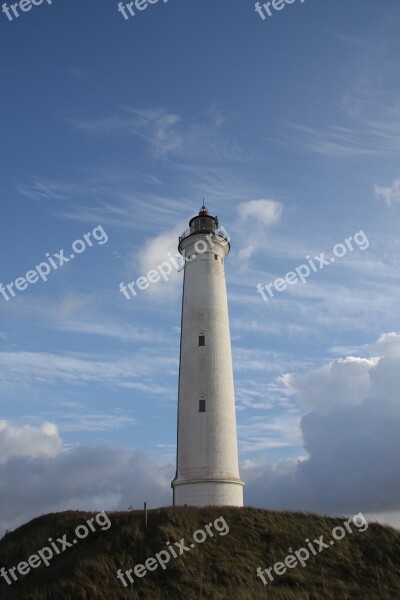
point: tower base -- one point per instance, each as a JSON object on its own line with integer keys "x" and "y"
{"x": 208, "y": 492}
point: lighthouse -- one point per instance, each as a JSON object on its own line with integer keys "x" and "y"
{"x": 207, "y": 469}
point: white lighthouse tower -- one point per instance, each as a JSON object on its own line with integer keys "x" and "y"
{"x": 207, "y": 470}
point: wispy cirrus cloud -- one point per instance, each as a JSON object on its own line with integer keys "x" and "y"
{"x": 137, "y": 371}
{"x": 167, "y": 134}
{"x": 157, "y": 127}
{"x": 82, "y": 314}
{"x": 261, "y": 433}
{"x": 370, "y": 126}
{"x": 123, "y": 332}
{"x": 373, "y": 138}
{"x": 81, "y": 419}
{"x": 42, "y": 189}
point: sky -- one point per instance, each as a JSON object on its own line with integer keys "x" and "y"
{"x": 116, "y": 129}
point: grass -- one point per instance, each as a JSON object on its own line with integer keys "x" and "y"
{"x": 225, "y": 566}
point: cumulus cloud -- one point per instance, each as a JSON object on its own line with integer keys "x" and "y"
{"x": 157, "y": 250}
{"x": 389, "y": 194}
{"x": 339, "y": 384}
{"x": 387, "y": 345}
{"x": 351, "y": 438}
{"x": 36, "y": 477}
{"x": 28, "y": 440}
{"x": 350, "y": 434}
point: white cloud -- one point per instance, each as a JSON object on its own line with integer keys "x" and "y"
{"x": 161, "y": 249}
{"x": 389, "y": 194}
{"x": 268, "y": 212}
{"x": 82, "y": 478}
{"x": 388, "y": 344}
{"x": 351, "y": 436}
{"x": 341, "y": 383}
{"x": 28, "y": 440}
{"x": 349, "y": 462}
{"x": 257, "y": 214}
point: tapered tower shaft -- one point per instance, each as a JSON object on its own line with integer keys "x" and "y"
{"x": 207, "y": 454}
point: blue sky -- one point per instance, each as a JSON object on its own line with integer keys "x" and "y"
{"x": 289, "y": 127}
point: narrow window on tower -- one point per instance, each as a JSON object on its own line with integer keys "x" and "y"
{"x": 202, "y": 404}
{"x": 202, "y": 339}
{"x": 216, "y": 256}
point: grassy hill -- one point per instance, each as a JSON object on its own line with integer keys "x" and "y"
{"x": 222, "y": 567}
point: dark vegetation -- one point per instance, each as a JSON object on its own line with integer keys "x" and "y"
{"x": 226, "y": 565}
